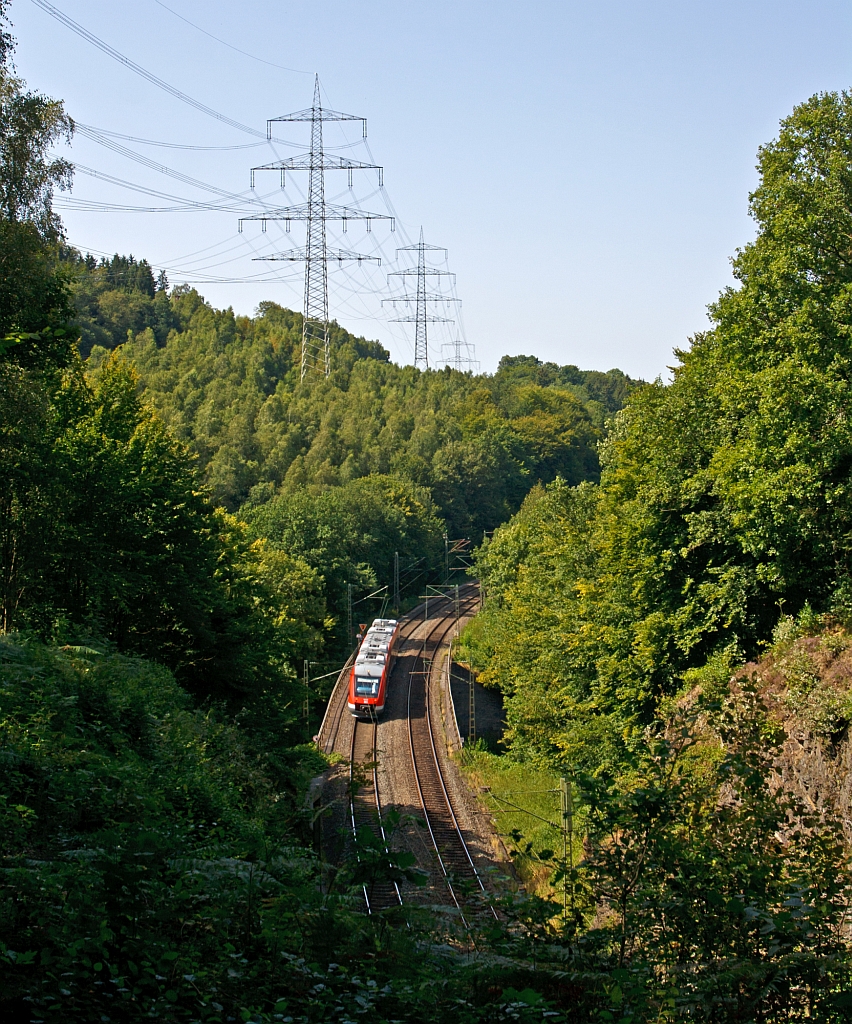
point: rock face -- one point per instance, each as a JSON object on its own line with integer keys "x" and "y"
{"x": 806, "y": 684}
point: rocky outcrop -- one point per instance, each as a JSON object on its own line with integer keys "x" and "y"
{"x": 806, "y": 685}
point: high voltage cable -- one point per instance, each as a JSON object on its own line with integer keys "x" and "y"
{"x": 187, "y": 204}
{"x": 95, "y": 136}
{"x": 387, "y": 201}
{"x": 209, "y": 279}
{"x": 242, "y": 243}
{"x": 166, "y": 145}
{"x": 260, "y": 279}
{"x": 189, "y": 146}
{"x": 186, "y": 261}
{"x": 230, "y": 46}
{"x": 110, "y": 51}
{"x": 241, "y": 201}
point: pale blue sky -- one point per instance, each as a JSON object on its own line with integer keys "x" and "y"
{"x": 586, "y": 164}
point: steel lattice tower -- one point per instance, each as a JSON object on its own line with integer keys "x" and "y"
{"x": 462, "y": 356}
{"x": 421, "y": 298}
{"x": 315, "y": 354}
{"x": 315, "y": 322}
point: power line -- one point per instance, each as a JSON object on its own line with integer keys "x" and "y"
{"x": 110, "y": 51}
{"x": 166, "y": 145}
{"x": 230, "y": 46}
{"x": 96, "y": 136}
{"x": 202, "y": 279}
{"x": 186, "y": 204}
{"x": 187, "y": 257}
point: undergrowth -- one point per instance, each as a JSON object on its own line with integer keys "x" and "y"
{"x": 526, "y": 807}
{"x": 157, "y": 865}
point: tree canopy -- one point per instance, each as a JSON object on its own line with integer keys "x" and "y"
{"x": 229, "y": 387}
{"x": 724, "y": 496}
{"x": 34, "y": 297}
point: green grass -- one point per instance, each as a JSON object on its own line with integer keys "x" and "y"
{"x": 526, "y": 807}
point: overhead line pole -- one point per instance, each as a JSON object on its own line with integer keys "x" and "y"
{"x": 566, "y": 799}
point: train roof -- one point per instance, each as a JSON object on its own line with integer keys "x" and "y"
{"x": 384, "y": 624}
{"x": 371, "y": 657}
{"x": 376, "y": 640}
{"x": 379, "y": 636}
{"x": 369, "y": 669}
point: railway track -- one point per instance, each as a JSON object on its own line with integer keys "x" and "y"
{"x": 326, "y": 738}
{"x": 455, "y": 862}
{"x": 365, "y": 808}
{"x": 417, "y": 674}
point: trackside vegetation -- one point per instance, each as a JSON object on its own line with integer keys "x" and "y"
{"x": 668, "y": 616}
{"x": 720, "y": 518}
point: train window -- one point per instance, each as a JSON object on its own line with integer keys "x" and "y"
{"x": 366, "y": 687}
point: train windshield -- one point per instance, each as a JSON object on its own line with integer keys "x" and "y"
{"x": 366, "y": 687}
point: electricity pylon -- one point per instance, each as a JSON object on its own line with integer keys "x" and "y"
{"x": 421, "y": 298}
{"x": 461, "y": 357}
{"x": 315, "y": 355}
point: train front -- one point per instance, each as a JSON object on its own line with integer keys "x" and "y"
{"x": 369, "y": 676}
{"x": 367, "y": 686}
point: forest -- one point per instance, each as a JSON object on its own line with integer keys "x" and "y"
{"x": 667, "y": 616}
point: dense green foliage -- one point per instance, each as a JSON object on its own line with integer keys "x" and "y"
{"x": 117, "y": 296}
{"x": 724, "y": 496}
{"x": 136, "y": 555}
{"x": 155, "y": 866}
{"x": 724, "y": 501}
{"x": 228, "y": 386}
{"x": 104, "y": 530}
{"x": 351, "y": 535}
{"x": 436, "y": 452}
{"x": 34, "y": 297}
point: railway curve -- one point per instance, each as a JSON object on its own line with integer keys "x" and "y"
{"x": 406, "y": 765}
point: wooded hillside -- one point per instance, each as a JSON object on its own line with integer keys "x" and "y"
{"x": 229, "y": 387}
{"x": 724, "y": 499}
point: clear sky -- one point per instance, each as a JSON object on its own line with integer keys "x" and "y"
{"x": 587, "y": 165}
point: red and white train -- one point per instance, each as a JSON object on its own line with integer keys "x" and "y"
{"x": 368, "y": 680}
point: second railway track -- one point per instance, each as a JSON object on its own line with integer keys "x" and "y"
{"x": 456, "y": 864}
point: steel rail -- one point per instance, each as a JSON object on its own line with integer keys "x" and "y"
{"x": 337, "y": 700}
{"x": 431, "y": 815}
{"x": 407, "y": 628}
{"x": 334, "y": 709}
{"x": 370, "y": 897}
{"x": 444, "y": 787}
